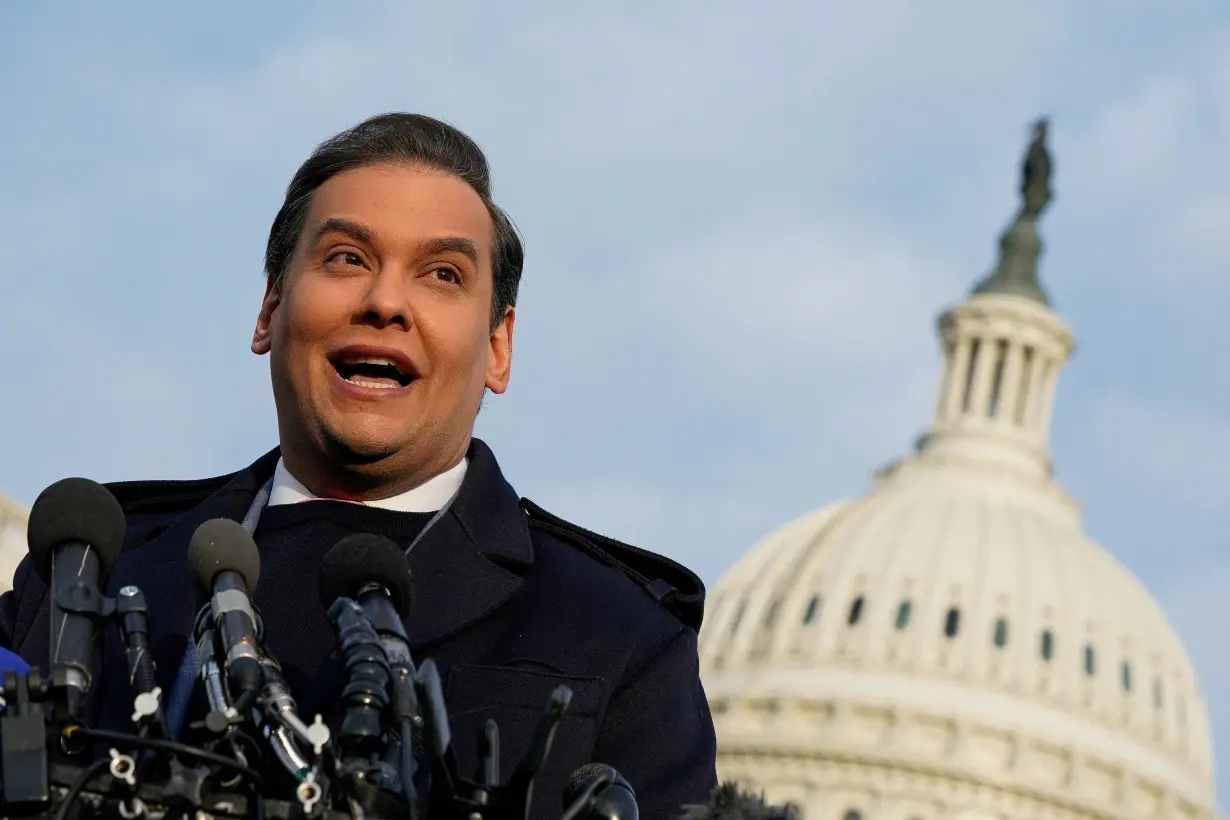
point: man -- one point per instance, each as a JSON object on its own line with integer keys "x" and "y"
{"x": 388, "y": 314}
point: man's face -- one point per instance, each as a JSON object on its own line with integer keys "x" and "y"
{"x": 381, "y": 336}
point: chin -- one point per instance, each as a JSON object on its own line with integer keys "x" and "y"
{"x": 358, "y": 447}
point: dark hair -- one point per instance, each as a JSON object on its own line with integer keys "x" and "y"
{"x": 412, "y": 139}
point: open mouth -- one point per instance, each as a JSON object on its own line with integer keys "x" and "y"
{"x": 371, "y": 371}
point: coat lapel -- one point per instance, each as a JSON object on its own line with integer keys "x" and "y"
{"x": 468, "y": 564}
{"x": 465, "y": 567}
{"x": 159, "y": 568}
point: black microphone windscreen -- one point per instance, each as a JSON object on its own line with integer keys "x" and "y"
{"x": 219, "y": 545}
{"x": 583, "y": 774}
{"x": 75, "y": 509}
{"x": 361, "y": 559}
{"x": 730, "y": 801}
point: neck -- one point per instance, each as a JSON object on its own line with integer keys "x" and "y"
{"x": 352, "y": 479}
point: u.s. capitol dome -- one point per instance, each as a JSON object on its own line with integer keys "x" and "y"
{"x": 952, "y": 646}
{"x": 12, "y": 540}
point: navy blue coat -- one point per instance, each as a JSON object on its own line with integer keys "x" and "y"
{"x": 510, "y": 602}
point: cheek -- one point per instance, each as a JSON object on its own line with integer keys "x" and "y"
{"x": 465, "y": 350}
{"x": 309, "y": 317}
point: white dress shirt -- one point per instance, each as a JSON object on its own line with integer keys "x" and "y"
{"x": 429, "y": 496}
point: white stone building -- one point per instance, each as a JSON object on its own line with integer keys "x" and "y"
{"x": 12, "y": 539}
{"x": 952, "y": 646}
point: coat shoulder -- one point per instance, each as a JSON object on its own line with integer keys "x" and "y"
{"x": 150, "y": 506}
{"x": 165, "y": 496}
{"x": 675, "y": 587}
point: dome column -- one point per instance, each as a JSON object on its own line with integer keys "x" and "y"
{"x": 1031, "y": 399}
{"x": 1004, "y": 348}
{"x": 979, "y": 392}
{"x": 954, "y": 379}
{"x": 1046, "y": 395}
{"x": 1010, "y": 393}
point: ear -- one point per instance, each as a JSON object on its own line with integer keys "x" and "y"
{"x": 499, "y": 353}
{"x": 262, "y": 341}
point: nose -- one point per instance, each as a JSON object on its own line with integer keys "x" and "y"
{"x": 385, "y": 303}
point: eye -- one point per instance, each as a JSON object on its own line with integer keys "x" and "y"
{"x": 449, "y": 275}
{"x": 345, "y": 258}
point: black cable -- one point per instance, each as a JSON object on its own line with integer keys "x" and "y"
{"x": 74, "y": 791}
{"x": 174, "y": 747}
{"x": 238, "y": 738}
{"x": 407, "y": 764}
{"x": 258, "y": 803}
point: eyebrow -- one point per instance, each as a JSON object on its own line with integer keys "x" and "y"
{"x": 452, "y": 244}
{"x": 345, "y": 227}
{"x": 444, "y": 244}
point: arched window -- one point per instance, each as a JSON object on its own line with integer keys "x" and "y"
{"x": 1001, "y": 633}
{"x": 1090, "y": 667}
{"x": 952, "y": 621}
{"x": 852, "y": 815}
{"x": 903, "y": 615}
{"x": 813, "y": 609}
{"x": 1048, "y": 645}
{"x": 856, "y": 611}
{"x": 1159, "y": 700}
{"x": 1126, "y": 676}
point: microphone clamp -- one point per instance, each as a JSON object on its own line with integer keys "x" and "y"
{"x": 85, "y": 599}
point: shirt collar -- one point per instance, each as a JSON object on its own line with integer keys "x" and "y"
{"x": 429, "y": 496}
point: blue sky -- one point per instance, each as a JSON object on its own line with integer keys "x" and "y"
{"x": 740, "y": 226}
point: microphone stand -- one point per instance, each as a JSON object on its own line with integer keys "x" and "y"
{"x": 223, "y": 718}
{"x": 35, "y": 727}
{"x": 448, "y": 795}
{"x": 134, "y": 625}
{"x": 407, "y": 770}
{"x": 283, "y": 729}
{"x": 370, "y": 762}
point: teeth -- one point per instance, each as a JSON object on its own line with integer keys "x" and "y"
{"x": 377, "y": 385}
{"x": 372, "y": 360}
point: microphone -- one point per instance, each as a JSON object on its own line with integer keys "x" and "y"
{"x": 372, "y": 570}
{"x": 227, "y": 566}
{"x": 366, "y": 690}
{"x": 730, "y": 802}
{"x": 597, "y": 792}
{"x": 207, "y": 668}
{"x": 75, "y": 533}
